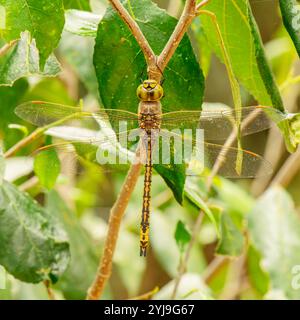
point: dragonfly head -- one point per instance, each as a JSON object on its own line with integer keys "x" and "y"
{"x": 150, "y": 90}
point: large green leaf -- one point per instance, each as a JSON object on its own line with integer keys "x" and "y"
{"x": 244, "y": 47}
{"x": 15, "y": 66}
{"x": 44, "y": 20}
{"x": 34, "y": 246}
{"x": 120, "y": 63}
{"x": 77, "y": 4}
{"x": 290, "y": 10}
{"x": 83, "y": 265}
{"x": 274, "y": 227}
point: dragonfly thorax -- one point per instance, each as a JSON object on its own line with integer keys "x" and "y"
{"x": 150, "y": 90}
{"x": 149, "y": 121}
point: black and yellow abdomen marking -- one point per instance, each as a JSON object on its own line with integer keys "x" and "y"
{"x": 145, "y": 224}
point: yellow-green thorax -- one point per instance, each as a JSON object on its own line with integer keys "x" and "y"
{"x": 150, "y": 90}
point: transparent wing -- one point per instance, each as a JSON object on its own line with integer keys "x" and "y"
{"x": 111, "y": 151}
{"x": 201, "y": 155}
{"x": 44, "y": 113}
{"x": 168, "y": 149}
{"x": 218, "y": 124}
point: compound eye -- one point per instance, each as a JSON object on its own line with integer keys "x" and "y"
{"x": 152, "y": 85}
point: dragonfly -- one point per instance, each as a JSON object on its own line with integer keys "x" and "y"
{"x": 150, "y": 122}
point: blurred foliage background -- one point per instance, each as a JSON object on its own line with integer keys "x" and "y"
{"x": 259, "y": 249}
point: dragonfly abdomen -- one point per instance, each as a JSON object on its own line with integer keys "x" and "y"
{"x": 145, "y": 224}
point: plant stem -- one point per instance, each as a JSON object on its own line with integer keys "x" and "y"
{"x": 147, "y": 296}
{"x": 139, "y": 36}
{"x": 50, "y": 292}
{"x": 7, "y": 47}
{"x": 288, "y": 170}
{"x": 116, "y": 215}
{"x": 24, "y": 142}
{"x": 189, "y": 13}
{"x": 202, "y": 4}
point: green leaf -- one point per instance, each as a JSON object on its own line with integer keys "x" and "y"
{"x": 258, "y": 277}
{"x": 10, "y": 97}
{"x": 290, "y": 127}
{"x": 44, "y": 20}
{"x": 2, "y": 166}
{"x": 82, "y": 23}
{"x": 245, "y": 51}
{"x": 275, "y": 232}
{"x": 231, "y": 242}
{"x": 165, "y": 247}
{"x": 33, "y": 247}
{"x": 16, "y": 66}
{"x": 120, "y": 63}
{"x": 174, "y": 176}
{"x": 290, "y": 10}
{"x": 182, "y": 236}
{"x": 84, "y": 260}
{"x": 82, "y": 63}
{"x": 193, "y": 194}
{"x": 47, "y": 168}
{"x": 77, "y": 4}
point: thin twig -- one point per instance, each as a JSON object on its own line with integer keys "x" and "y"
{"x": 183, "y": 264}
{"x": 214, "y": 267}
{"x": 146, "y": 296}
{"x": 234, "y": 277}
{"x": 24, "y": 142}
{"x": 202, "y": 4}
{"x": 139, "y": 36}
{"x": 116, "y": 215}
{"x": 28, "y": 184}
{"x": 7, "y": 47}
{"x": 189, "y": 13}
{"x": 288, "y": 171}
{"x": 50, "y": 292}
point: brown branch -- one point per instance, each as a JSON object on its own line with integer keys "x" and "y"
{"x": 7, "y": 47}
{"x": 24, "y": 142}
{"x": 202, "y": 4}
{"x": 214, "y": 267}
{"x": 189, "y": 13}
{"x": 50, "y": 292}
{"x": 116, "y": 215}
{"x": 288, "y": 171}
{"x": 139, "y": 36}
